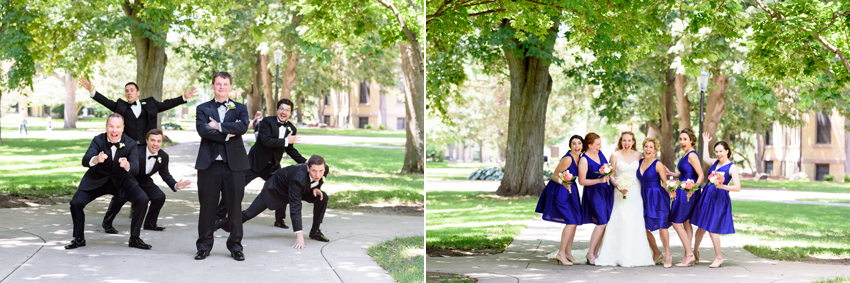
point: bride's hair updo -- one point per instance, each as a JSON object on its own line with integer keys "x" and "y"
{"x": 620, "y": 142}
{"x": 654, "y": 142}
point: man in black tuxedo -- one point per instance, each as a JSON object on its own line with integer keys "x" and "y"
{"x": 152, "y": 160}
{"x": 276, "y": 136}
{"x": 221, "y": 163}
{"x": 139, "y": 114}
{"x": 112, "y": 159}
{"x": 291, "y": 185}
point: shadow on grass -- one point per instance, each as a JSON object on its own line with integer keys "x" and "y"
{"x": 40, "y": 167}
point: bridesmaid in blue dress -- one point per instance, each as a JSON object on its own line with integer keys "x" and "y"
{"x": 656, "y": 200}
{"x": 561, "y": 205}
{"x": 680, "y": 214}
{"x": 714, "y": 209}
{"x": 598, "y": 196}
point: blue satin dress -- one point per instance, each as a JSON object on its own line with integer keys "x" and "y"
{"x": 597, "y": 200}
{"x": 559, "y": 205}
{"x": 656, "y": 200}
{"x": 682, "y": 208}
{"x": 714, "y": 209}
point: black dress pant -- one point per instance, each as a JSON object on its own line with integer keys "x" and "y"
{"x": 157, "y": 200}
{"x": 250, "y": 175}
{"x": 218, "y": 180}
{"x": 82, "y": 198}
{"x": 258, "y": 206}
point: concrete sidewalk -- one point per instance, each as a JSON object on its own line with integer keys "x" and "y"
{"x": 525, "y": 261}
{"x": 32, "y": 240}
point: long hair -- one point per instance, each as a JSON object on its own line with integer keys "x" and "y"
{"x": 620, "y": 142}
{"x": 574, "y": 137}
{"x": 726, "y": 147}
{"x": 588, "y": 140}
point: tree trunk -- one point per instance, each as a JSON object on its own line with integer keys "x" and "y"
{"x": 683, "y": 105}
{"x": 414, "y": 106}
{"x": 383, "y": 107}
{"x": 714, "y": 106}
{"x": 255, "y": 99}
{"x": 266, "y": 77}
{"x": 1, "y": 99}
{"x": 531, "y": 85}
{"x": 666, "y": 132}
{"x": 481, "y": 151}
{"x": 288, "y": 79}
{"x": 150, "y": 57}
{"x": 70, "y": 100}
{"x": 321, "y": 106}
{"x": 298, "y": 113}
{"x": 759, "y": 154}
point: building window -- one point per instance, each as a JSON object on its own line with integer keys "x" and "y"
{"x": 327, "y": 119}
{"x": 327, "y": 100}
{"x": 820, "y": 171}
{"x": 768, "y": 167}
{"x": 768, "y": 135}
{"x": 363, "y": 121}
{"x": 400, "y": 124}
{"x": 364, "y": 92}
{"x": 824, "y": 127}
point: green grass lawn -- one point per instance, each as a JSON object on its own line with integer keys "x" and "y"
{"x": 475, "y": 220}
{"x": 39, "y": 167}
{"x": 792, "y": 232}
{"x": 381, "y": 143}
{"x": 453, "y": 170}
{"x": 834, "y": 280}
{"x": 9, "y": 126}
{"x": 354, "y": 132}
{"x": 403, "y": 258}
{"x": 826, "y": 200}
{"x": 825, "y": 187}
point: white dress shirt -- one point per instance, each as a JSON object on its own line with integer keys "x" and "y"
{"x": 149, "y": 163}
{"x": 114, "y": 149}
{"x": 282, "y": 134}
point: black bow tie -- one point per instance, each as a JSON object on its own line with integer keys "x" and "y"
{"x": 219, "y": 104}
{"x": 111, "y": 144}
{"x": 279, "y": 124}
{"x": 152, "y": 156}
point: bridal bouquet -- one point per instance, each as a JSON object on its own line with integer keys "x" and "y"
{"x": 625, "y": 181}
{"x": 606, "y": 170}
{"x": 689, "y": 186}
{"x": 716, "y": 178}
{"x": 671, "y": 185}
{"x": 566, "y": 180}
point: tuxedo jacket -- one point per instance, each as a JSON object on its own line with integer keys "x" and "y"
{"x": 134, "y": 127}
{"x": 290, "y": 185}
{"x": 109, "y": 170}
{"x": 160, "y": 165}
{"x": 271, "y": 148}
{"x": 234, "y": 149}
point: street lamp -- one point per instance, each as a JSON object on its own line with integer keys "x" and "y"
{"x": 277, "y": 56}
{"x": 702, "y": 82}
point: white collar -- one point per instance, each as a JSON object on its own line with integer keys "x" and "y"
{"x": 148, "y": 150}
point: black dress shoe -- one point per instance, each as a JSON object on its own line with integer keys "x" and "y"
{"x": 281, "y": 224}
{"x": 317, "y": 235}
{"x": 109, "y": 229}
{"x": 136, "y": 242}
{"x": 202, "y": 254}
{"x": 237, "y": 255}
{"x": 76, "y": 243}
{"x": 154, "y": 228}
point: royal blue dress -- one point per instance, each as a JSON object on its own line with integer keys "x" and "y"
{"x": 656, "y": 200}
{"x": 559, "y": 205}
{"x": 598, "y": 200}
{"x": 682, "y": 208}
{"x": 714, "y": 209}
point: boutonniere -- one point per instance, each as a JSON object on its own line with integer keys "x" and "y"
{"x": 230, "y": 105}
{"x": 324, "y": 179}
{"x": 121, "y": 145}
{"x": 144, "y": 103}
{"x": 288, "y": 129}
{"x": 159, "y": 160}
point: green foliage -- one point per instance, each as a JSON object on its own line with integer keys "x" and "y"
{"x": 434, "y": 153}
{"x": 382, "y": 127}
{"x": 171, "y": 126}
{"x": 829, "y": 178}
{"x": 59, "y": 110}
{"x": 847, "y": 178}
{"x": 403, "y": 258}
{"x": 368, "y": 126}
{"x": 41, "y": 167}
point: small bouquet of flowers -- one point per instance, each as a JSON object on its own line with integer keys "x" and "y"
{"x": 625, "y": 181}
{"x": 689, "y": 186}
{"x": 716, "y": 178}
{"x": 606, "y": 170}
{"x": 566, "y": 180}
{"x": 671, "y": 185}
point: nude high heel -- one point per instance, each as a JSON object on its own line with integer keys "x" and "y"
{"x": 716, "y": 266}
{"x": 689, "y": 263}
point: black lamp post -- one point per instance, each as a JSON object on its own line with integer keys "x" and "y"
{"x": 277, "y": 56}
{"x": 702, "y": 81}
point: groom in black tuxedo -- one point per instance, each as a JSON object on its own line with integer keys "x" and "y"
{"x": 291, "y": 185}
{"x": 221, "y": 163}
{"x": 152, "y": 160}
{"x": 139, "y": 114}
{"x": 112, "y": 159}
{"x": 276, "y": 136}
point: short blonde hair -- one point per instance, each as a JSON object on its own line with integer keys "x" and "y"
{"x": 654, "y": 142}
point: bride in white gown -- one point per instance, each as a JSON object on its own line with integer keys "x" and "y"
{"x": 625, "y": 242}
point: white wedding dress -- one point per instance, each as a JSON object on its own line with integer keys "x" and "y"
{"x": 625, "y": 242}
